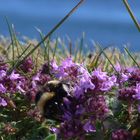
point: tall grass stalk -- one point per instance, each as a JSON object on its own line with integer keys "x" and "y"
{"x": 47, "y": 36}
{"x": 12, "y": 40}
{"x": 128, "y": 52}
{"x": 131, "y": 14}
{"x": 101, "y": 49}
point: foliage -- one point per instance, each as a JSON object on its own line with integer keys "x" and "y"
{"x": 104, "y": 74}
{"x": 104, "y": 101}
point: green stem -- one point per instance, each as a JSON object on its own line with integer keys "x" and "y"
{"x": 128, "y": 52}
{"x": 131, "y": 14}
{"x": 46, "y": 37}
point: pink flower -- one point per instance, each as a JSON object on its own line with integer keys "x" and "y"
{"x": 3, "y": 102}
{"x": 14, "y": 76}
{"x": 18, "y": 87}
{"x": 54, "y": 65}
{"x": 100, "y": 75}
{"x": 2, "y": 88}
{"x": 2, "y": 74}
{"x": 67, "y": 63}
{"x": 118, "y": 67}
{"x": 89, "y": 127}
{"x": 35, "y": 79}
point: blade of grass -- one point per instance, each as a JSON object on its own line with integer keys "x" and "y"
{"x": 81, "y": 46}
{"x": 6, "y": 62}
{"x": 95, "y": 60}
{"x": 12, "y": 40}
{"x": 16, "y": 41}
{"x": 69, "y": 46}
{"x": 19, "y": 57}
{"x": 48, "y": 55}
{"x": 128, "y": 52}
{"x": 45, "y": 45}
{"x": 76, "y": 48}
{"x": 24, "y": 51}
{"x": 46, "y": 37}
{"x": 63, "y": 47}
{"x": 108, "y": 59}
{"x": 131, "y": 14}
{"x": 98, "y": 56}
{"x": 55, "y": 48}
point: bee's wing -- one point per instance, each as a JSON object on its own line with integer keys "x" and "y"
{"x": 66, "y": 88}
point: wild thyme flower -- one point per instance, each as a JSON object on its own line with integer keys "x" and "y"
{"x": 102, "y": 81}
{"x": 76, "y": 122}
{"x": 86, "y": 103}
{"x": 89, "y": 127}
{"x": 14, "y": 76}
{"x": 137, "y": 96}
{"x": 2, "y": 89}
{"x": 35, "y": 83}
{"x": 101, "y": 76}
{"x": 135, "y": 75}
{"x": 118, "y": 67}
{"x": 83, "y": 86}
{"x": 2, "y": 74}
{"x": 70, "y": 71}
{"x": 72, "y": 129}
{"x": 67, "y": 70}
{"x": 54, "y": 66}
{"x": 130, "y": 75}
{"x": 11, "y": 83}
{"x": 131, "y": 87}
{"x": 27, "y": 65}
{"x": 35, "y": 79}
{"x": 128, "y": 94}
{"x": 49, "y": 68}
{"x": 121, "y": 134}
{"x": 85, "y": 82}
{"x": 20, "y": 87}
{"x": 97, "y": 107}
{"x": 74, "y": 73}
{"x": 129, "y": 91}
{"x": 124, "y": 77}
{"x": 3, "y": 102}
{"x": 40, "y": 79}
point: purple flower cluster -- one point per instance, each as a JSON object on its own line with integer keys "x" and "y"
{"x": 121, "y": 134}
{"x": 27, "y": 65}
{"x": 129, "y": 94}
{"x": 35, "y": 83}
{"x": 98, "y": 106}
{"x": 87, "y": 103}
{"x": 9, "y": 83}
{"x": 102, "y": 81}
{"x": 129, "y": 90}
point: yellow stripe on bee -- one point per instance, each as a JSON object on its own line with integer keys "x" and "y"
{"x": 54, "y": 82}
{"x": 43, "y": 99}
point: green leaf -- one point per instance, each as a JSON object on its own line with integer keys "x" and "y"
{"x": 51, "y": 137}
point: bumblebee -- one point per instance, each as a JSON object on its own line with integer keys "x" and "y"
{"x": 50, "y": 102}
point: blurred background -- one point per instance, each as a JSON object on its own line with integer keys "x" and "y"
{"x": 106, "y": 22}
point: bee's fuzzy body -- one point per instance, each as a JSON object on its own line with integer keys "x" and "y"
{"x": 50, "y": 102}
